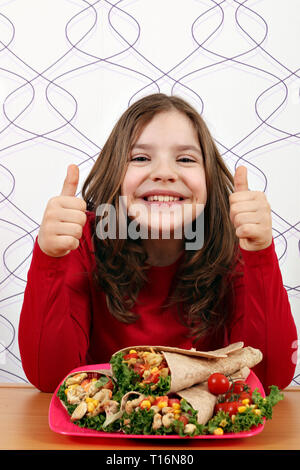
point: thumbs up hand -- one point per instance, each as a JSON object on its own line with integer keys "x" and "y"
{"x": 64, "y": 219}
{"x": 250, "y": 214}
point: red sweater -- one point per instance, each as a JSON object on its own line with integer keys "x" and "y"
{"x": 65, "y": 322}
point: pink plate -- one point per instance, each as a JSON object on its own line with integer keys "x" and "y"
{"x": 59, "y": 420}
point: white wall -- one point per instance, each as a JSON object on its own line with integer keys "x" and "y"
{"x": 68, "y": 69}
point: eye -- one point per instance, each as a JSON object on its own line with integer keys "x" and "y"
{"x": 139, "y": 158}
{"x": 186, "y": 158}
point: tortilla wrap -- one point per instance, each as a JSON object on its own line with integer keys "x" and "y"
{"x": 223, "y": 352}
{"x": 188, "y": 371}
{"x": 106, "y": 372}
{"x": 197, "y": 396}
{"x": 203, "y": 401}
{"x": 191, "y": 367}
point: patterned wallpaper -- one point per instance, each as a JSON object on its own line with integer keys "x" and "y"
{"x": 69, "y": 68}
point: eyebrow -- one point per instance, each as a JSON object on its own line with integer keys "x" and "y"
{"x": 176, "y": 147}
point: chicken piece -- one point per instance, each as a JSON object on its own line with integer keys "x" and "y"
{"x": 167, "y": 420}
{"x": 157, "y": 421}
{"x": 75, "y": 395}
{"x": 153, "y": 359}
{"x": 103, "y": 395}
{"x": 189, "y": 428}
{"x": 93, "y": 388}
{"x": 111, "y": 407}
{"x": 167, "y": 409}
{"x": 79, "y": 411}
{"x": 155, "y": 408}
{"x": 76, "y": 379}
{"x": 131, "y": 404}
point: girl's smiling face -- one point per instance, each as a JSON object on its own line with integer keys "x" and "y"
{"x": 165, "y": 159}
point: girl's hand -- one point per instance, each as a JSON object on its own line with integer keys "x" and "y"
{"x": 250, "y": 214}
{"x": 64, "y": 218}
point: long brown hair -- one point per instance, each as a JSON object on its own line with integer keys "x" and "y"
{"x": 203, "y": 283}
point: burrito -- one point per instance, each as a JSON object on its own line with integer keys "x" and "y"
{"x": 152, "y": 415}
{"x": 159, "y": 370}
{"x": 199, "y": 402}
{"x": 88, "y": 397}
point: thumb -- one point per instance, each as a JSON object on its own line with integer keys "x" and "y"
{"x": 240, "y": 179}
{"x": 71, "y": 181}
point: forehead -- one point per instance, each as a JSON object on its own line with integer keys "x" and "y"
{"x": 168, "y": 128}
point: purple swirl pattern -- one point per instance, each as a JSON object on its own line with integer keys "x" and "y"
{"x": 61, "y": 94}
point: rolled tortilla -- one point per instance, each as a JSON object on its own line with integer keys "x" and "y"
{"x": 71, "y": 379}
{"x": 203, "y": 401}
{"x": 189, "y": 368}
{"x": 188, "y": 371}
{"x": 217, "y": 353}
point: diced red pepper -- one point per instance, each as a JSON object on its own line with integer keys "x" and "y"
{"x": 130, "y": 356}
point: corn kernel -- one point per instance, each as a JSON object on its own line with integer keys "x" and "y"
{"x": 88, "y": 399}
{"x": 223, "y": 423}
{"x": 162, "y": 404}
{"x": 246, "y": 401}
{"x": 132, "y": 351}
{"x": 145, "y": 404}
{"x": 95, "y": 402}
{"x": 218, "y": 432}
{"x": 90, "y": 407}
{"x": 242, "y": 409}
{"x": 176, "y": 406}
{"x": 154, "y": 369}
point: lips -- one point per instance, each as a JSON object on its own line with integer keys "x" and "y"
{"x": 162, "y": 192}
{"x": 162, "y": 203}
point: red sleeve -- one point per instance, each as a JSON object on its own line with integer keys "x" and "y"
{"x": 55, "y": 317}
{"x": 263, "y": 318}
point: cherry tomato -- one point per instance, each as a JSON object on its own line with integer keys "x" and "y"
{"x": 246, "y": 395}
{"x": 239, "y": 389}
{"x": 230, "y": 407}
{"x": 218, "y": 383}
{"x": 220, "y": 407}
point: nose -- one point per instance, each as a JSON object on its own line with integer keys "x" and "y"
{"x": 164, "y": 172}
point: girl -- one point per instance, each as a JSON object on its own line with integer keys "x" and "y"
{"x": 89, "y": 295}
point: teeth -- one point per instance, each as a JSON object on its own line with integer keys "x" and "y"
{"x": 162, "y": 198}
